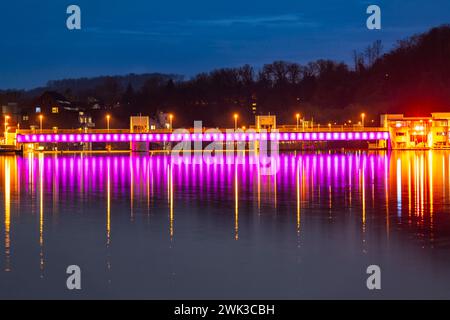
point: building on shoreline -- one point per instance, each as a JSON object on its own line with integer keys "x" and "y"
{"x": 54, "y": 110}
{"x": 418, "y": 132}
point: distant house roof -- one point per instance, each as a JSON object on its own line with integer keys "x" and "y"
{"x": 57, "y": 97}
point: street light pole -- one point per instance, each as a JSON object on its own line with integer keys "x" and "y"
{"x": 108, "y": 117}
{"x": 298, "y": 118}
{"x": 6, "y": 126}
{"x": 40, "y": 121}
{"x": 235, "y": 121}
{"x": 6, "y": 123}
{"x": 171, "y": 122}
{"x": 363, "y": 115}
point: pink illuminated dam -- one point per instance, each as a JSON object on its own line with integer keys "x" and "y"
{"x": 207, "y": 137}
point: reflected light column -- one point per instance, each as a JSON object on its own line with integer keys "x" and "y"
{"x": 108, "y": 217}
{"x": 55, "y": 184}
{"x": 386, "y": 193}
{"x": 259, "y": 188}
{"x": 41, "y": 213}
{"x": 430, "y": 183}
{"x": 409, "y": 190}
{"x": 363, "y": 194}
{"x": 171, "y": 216}
{"x": 131, "y": 168}
{"x": 147, "y": 173}
{"x": 298, "y": 199}
{"x": 430, "y": 193}
{"x": 108, "y": 204}
{"x": 7, "y": 215}
{"x": 275, "y": 187}
{"x": 350, "y": 176}
{"x": 422, "y": 185}
{"x": 236, "y": 204}
{"x": 363, "y": 201}
{"x": 416, "y": 186}
{"x": 399, "y": 187}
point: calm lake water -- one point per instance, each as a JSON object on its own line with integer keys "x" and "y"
{"x": 145, "y": 227}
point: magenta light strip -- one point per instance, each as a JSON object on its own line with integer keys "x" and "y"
{"x": 176, "y": 137}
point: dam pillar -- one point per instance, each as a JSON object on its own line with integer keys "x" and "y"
{"x": 139, "y": 124}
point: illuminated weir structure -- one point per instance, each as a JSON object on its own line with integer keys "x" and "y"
{"x": 139, "y": 137}
{"x": 40, "y": 137}
{"x": 396, "y": 132}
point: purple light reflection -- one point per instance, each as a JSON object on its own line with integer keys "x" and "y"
{"x": 138, "y": 137}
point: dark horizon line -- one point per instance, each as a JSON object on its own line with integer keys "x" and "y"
{"x": 185, "y": 77}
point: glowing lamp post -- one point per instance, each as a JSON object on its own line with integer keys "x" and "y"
{"x": 235, "y": 121}
{"x": 171, "y": 121}
{"x": 40, "y": 121}
{"x": 363, "y": 116}
{"x": 6, "y": 126}
{"x": 6, "y": 123}
{"x": 108, "y": 117}
{"x": 298, "y": 118}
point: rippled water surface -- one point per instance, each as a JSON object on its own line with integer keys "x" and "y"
{"x": 147, "y": 227}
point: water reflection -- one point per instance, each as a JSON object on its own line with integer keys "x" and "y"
{"x": 236, "y": 204}
{"x": 170, "y": 196}
{"x": 375, "y": 190}
{"x": 7, "y": 171}
{"x": 41, "y": 214}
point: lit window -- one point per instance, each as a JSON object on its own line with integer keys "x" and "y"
{"x": 419, "y": 128}
{"x": 55, "y": 110}
{"x": 25, "y": 118}
{"x": 38, "y": 109}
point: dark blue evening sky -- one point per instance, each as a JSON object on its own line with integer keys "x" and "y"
{"x": 187, "y": 37}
